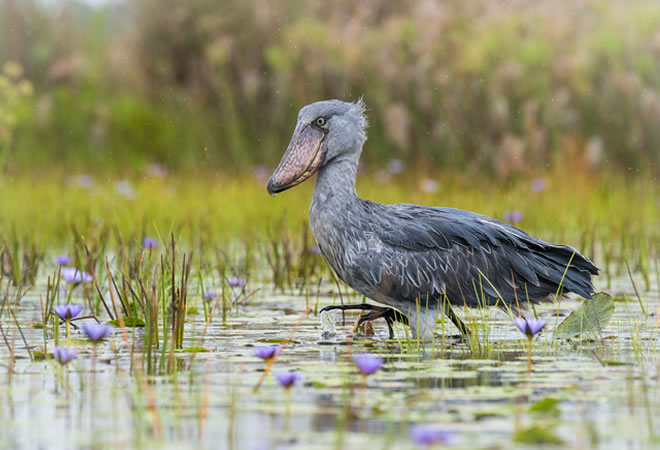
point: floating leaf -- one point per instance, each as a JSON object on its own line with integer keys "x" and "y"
{"x": 38, "y": 325}
{"x": 537, "y": 436}
{"x": 38, "y": 356}
{"x": 128, "y": 322}
{"x": 195, "y": 350}
{"x": 548, "y": 405}
{"x": 277, "y": 340}
{"x": 612, "y": 362}
{"x": 589, "y": 319}
{"x": 482, "y": 415}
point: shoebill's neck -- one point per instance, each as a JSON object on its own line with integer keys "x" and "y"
{"x": 336, "y": 181}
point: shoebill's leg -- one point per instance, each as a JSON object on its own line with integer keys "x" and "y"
{"x": 456, "y": 321}
{"x": 342, "y": 308}
{"x": 390, "y": 315}
{"x": 375, "y": 312}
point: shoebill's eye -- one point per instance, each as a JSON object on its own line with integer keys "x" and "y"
{"x": 321, "y": 121}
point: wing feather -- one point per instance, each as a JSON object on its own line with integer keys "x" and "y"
{"x": 432, "y": 252}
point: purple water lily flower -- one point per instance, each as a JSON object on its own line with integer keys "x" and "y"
{"x": 429, "y": 435}
{"x": 368, "y": 364}
{"x": 266, "y": 352}
{"x": 395, "y": 166}
{"x": 63, "y": 260}
{"x": 67, "y": 311}
{"x": 124, "y": 188}
{"x": 63, "y": 355}
{"x": 538, "y": 185}
{"x": 96, "y": 332}
{"x": 74, "y": 276}
{"x": 210, "y": 296}
{"x": 529, "y": 327}
{"x": 288, "y": 379}
{"x": 513, "y": 216}
{"x": 149, "y": 242}
{"x": 156, "y": 170}
{"x": 430, "y": 185}
{"x": 236, "y": 281}
{"x": 84, "y": 181}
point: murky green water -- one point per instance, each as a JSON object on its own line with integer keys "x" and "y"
{"x": 606, "y": 390}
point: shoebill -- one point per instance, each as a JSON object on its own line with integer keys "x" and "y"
{"x": 414, "y": 260}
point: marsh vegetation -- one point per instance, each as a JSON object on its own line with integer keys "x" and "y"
{"x": 194, "y": 297}
{"x": 152, "y": 295}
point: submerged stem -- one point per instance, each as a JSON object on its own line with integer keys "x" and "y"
{"x": 287, "y": 419}
{"x": 68, "y": 332}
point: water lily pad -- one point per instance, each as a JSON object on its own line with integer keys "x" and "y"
{"x": 537, "y": 436}
{"x": 195, "y": 350}
{"x": 589, "y": 319}
{"x": 611, "y": 362}
{"x": 548, "y": 405}
{"x": 128, "y": 322}
{"x": 488, "y": 414}
{"x": 277, "y": 340}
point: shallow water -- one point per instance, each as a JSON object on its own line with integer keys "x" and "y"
{"x": 606, "y": 389}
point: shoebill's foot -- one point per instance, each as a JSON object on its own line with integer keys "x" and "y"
{"x": 390, "y": 315}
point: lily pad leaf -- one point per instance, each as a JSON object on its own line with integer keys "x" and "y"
{"x": 612, "y": 362}
{"x": 536, "y": 435}
{"x": 548, "y": 405}
{"x": 195, "y": 350}
{"x": 589, "y": 319}
{"x": 277, "y": 341}
{"x": 128, "y": 322}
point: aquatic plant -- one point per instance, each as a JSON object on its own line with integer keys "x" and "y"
{"x": 210, "y": 296}
{"x": 124, "y": 188}
{"x": 74, "y": 276}
{"x": 67, "y": 311}
{"x": 63, "y": 355}
{"x": 368, "y": 364}
{"x": 288, "y": 379}
{"x": 97, "y": 332}
{"x": 235, "y": 282}
{"x": 149, "y": 242}
{"x": 266, "y": 352}
{"x": 530, "y": 328}
{"x": 429, "y": 435}
{"x": 63, "y": 260}
{"x": 538, "y": 185}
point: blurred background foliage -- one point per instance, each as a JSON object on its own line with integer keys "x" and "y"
{"x": 497, "y": 88}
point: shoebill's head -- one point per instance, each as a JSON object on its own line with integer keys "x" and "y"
{"x": 326, "y": 132}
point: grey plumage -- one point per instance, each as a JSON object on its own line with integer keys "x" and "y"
{"x": 405, "y": 255}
